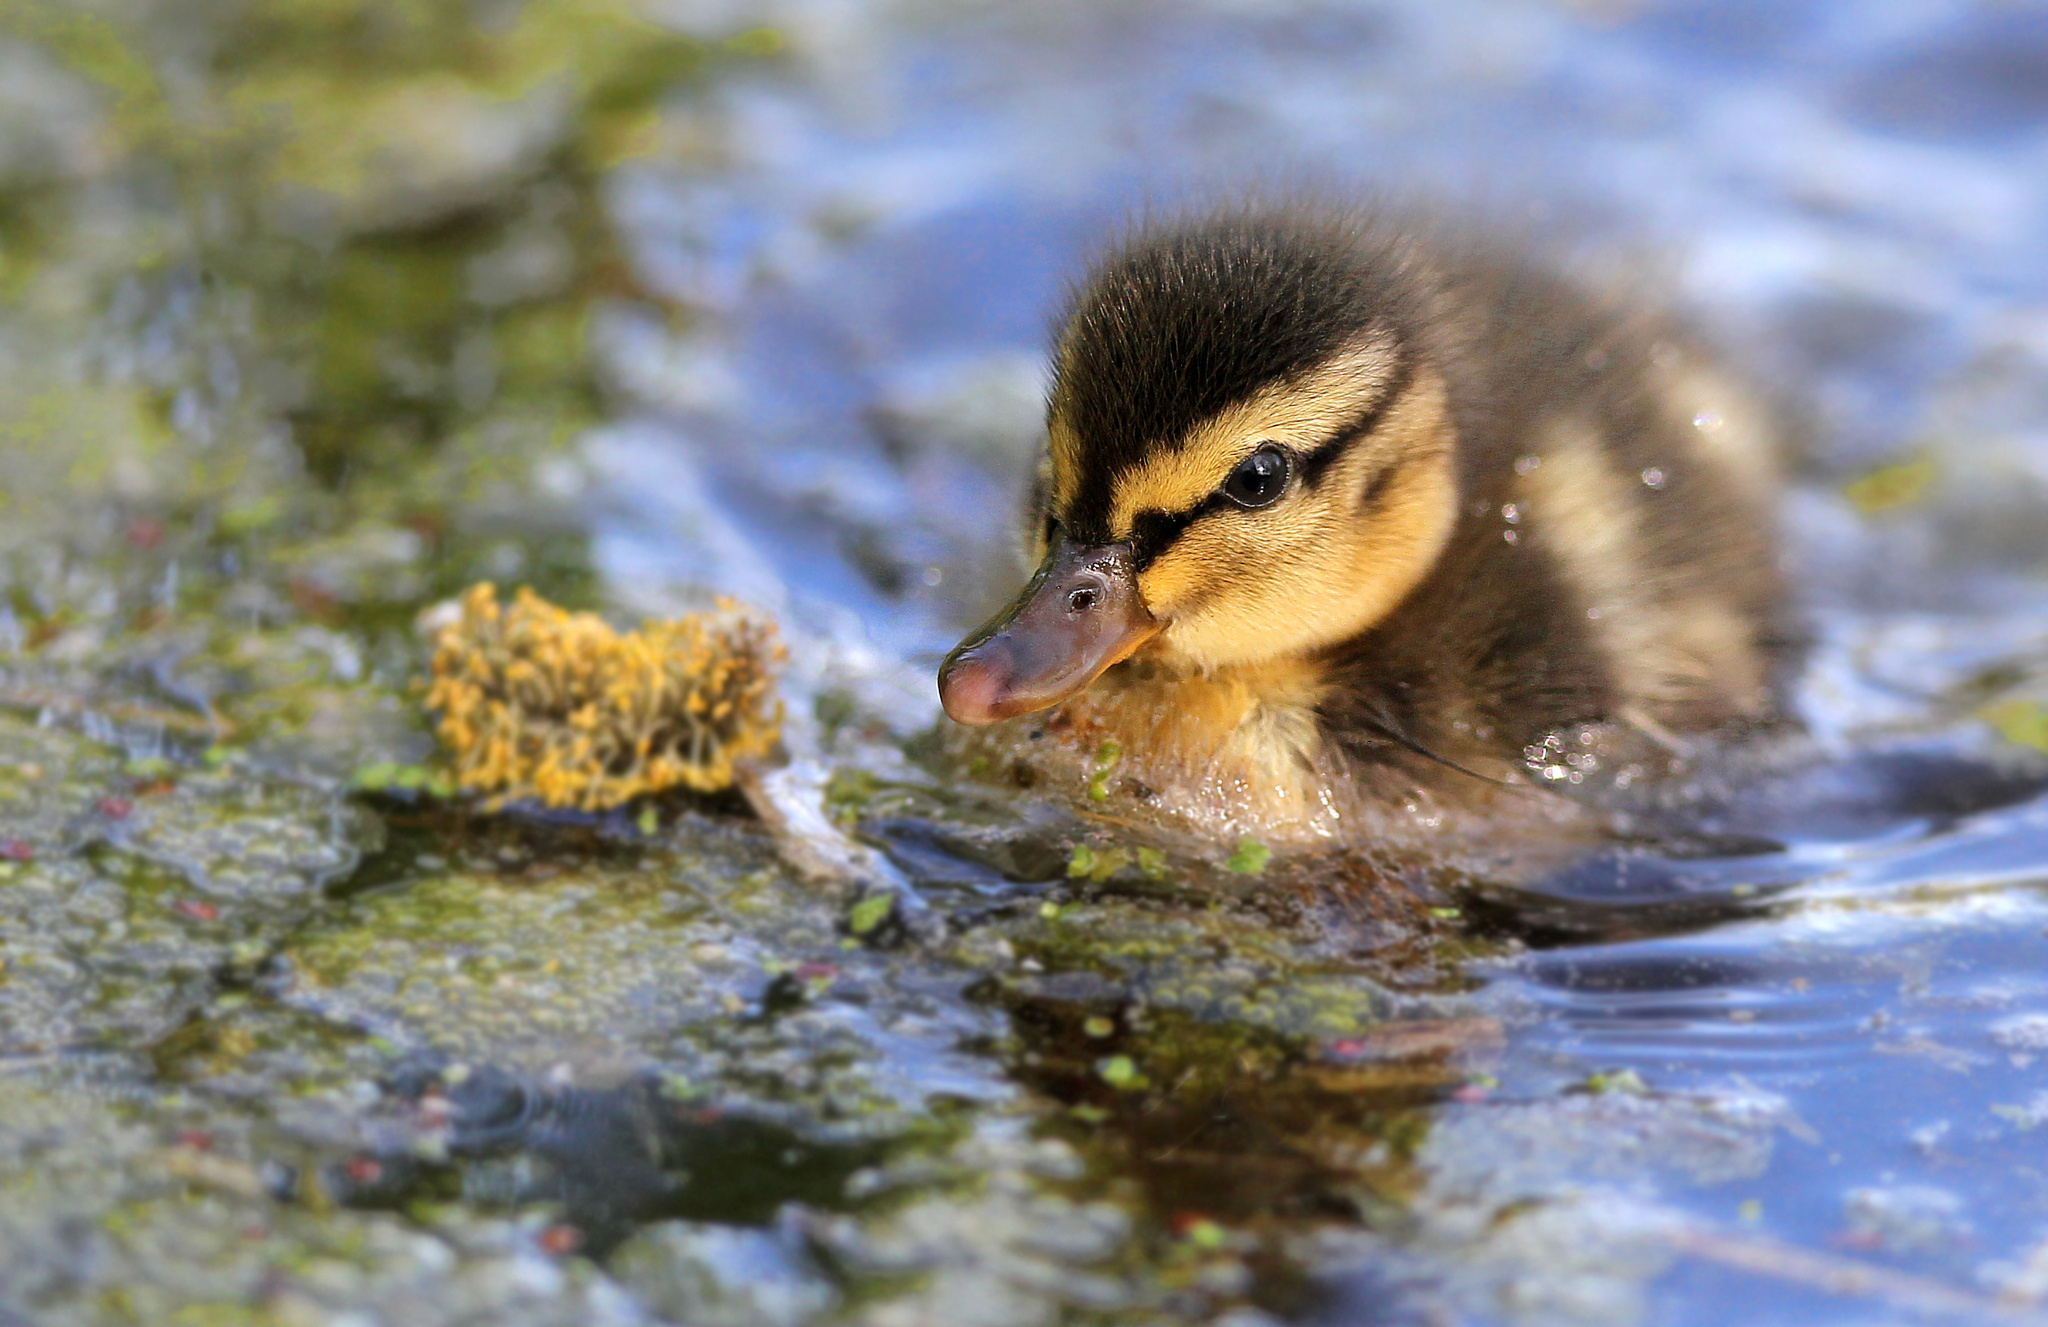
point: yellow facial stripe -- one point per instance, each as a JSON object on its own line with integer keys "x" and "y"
{"x": 1216, "y": 554}
{"x": 1298, "y": 415}
{"x": 1316, "y": 569}
{"x": 1063, "y": 450}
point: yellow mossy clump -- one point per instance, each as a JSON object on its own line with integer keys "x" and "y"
{"x": 538, "y": 702}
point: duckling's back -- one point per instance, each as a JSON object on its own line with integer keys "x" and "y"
{"x": 1611, "y": 590}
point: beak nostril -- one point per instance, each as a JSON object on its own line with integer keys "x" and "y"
{"x": 1079, "y": 614}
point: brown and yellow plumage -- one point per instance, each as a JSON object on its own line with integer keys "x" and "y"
{"x": 1340, "y": 526}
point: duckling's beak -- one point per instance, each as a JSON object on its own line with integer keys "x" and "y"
{"x": 1080, "y": 614}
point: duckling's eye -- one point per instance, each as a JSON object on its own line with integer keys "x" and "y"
{"x": 1259, "y": 478}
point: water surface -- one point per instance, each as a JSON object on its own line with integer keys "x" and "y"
{"x": 322, "y": 312}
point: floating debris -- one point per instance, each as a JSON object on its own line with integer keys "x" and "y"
{"x": 868, "y": 914}
{"x": 1893, "y": 486}
{"x": 539, "y": 702}
{"x": 2021, "y": 722}
{"x": 1250, "y": 858}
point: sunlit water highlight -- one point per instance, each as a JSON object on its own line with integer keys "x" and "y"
{"x": 1857, "y": 198}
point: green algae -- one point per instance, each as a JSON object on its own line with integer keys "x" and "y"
{"x": 386, "y": 776}
{"x": 114, "y": 1219}
{"x": 1249, "y": 857}
{"x": 421, "y": 334}
{"x": 1213, "y": 957}
{"x": 51, "y": 782}
{"x": 868, "y": 914}
{"x": 434, "y": 963}
{"x": 127, "y": 903}
{"x": 341, "y": 379}
{"x": 646, "y": 964}
{"x": 343, "y": 373}
{"x": 854, "y": 795}
{"x": 1085, "y": 863}
{"x": 1106, "y": 757}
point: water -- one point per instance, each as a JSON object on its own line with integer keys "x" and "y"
{"x": 1851, "y": 195}
{"x": 769, "y": 320}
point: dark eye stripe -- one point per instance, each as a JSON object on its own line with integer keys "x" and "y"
{"x": 1153, "y": 532}
{"x": 1365, "y": 421}
{"x": 1376, "y": 490}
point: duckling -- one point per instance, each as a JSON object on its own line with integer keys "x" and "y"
{"x": 1344, "y": 530}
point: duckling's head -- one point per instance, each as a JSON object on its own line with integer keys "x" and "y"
{"x": 1250, "y": 457}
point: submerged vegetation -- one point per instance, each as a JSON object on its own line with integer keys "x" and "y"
{"x": 312, "y": 307}
{"x": 538, "y": 702}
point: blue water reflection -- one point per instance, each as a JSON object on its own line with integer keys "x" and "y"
{"x": 1853, "y": 196}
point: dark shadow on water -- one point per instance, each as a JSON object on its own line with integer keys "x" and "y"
{"x": 1221, "y": 1120}
{"x": 1730, "y": 861}
{"x": 529, "y": 840}
{"x": 609, "y": 1159}
{"x": 1206, "y": 1117}
{"x": 946, "y": 858}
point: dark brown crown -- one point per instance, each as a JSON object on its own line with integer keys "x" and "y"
{"x": 1186, "y": 318}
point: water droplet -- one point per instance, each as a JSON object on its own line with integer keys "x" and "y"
{"x": 1509, "y": 535}
{"x": 1511, "y": 513}
{"x": 1653, "y": 477}
{"x": 1706, "y": 421}
{"x": 1525, "y": 465}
